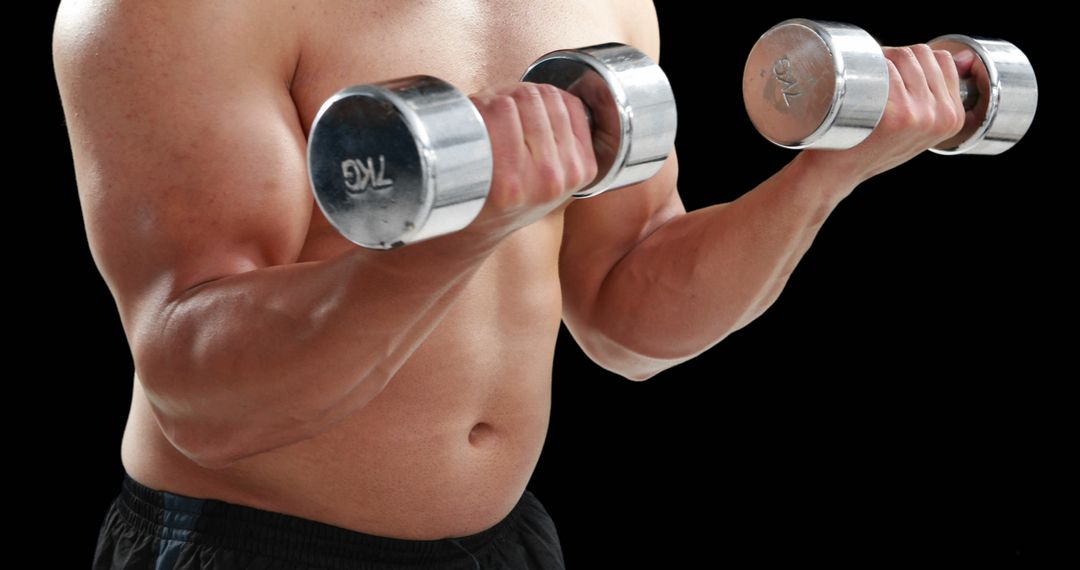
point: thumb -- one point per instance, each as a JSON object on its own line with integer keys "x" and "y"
{"x": 964, "y": 60}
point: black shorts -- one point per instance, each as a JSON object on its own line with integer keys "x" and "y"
{"x": 155, "y": 530}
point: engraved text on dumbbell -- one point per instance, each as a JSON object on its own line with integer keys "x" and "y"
{"x": 789, "y": 86}
{"x": 361, "y": 175}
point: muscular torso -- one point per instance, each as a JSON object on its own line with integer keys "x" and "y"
{"x": 448, "y": 447}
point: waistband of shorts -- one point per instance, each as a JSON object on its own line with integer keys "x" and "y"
{"x": 285, "y": 537}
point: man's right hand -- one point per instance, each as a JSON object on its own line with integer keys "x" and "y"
{"x": 923, "y": 109}
{"x": 542, "y": 153}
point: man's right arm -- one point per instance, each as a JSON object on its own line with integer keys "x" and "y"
{"x": 190, "y": 163}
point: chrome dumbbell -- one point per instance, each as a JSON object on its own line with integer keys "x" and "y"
{"x": 810, "y": 84}
{"x": 398, "y": 162}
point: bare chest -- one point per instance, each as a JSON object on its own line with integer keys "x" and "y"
{"x": 470, "y": 43}
{"x": 473, "y": 44}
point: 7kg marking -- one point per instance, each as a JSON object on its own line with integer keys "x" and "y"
{"x": 789, "y": 86}
{"x": 361, "y": 176}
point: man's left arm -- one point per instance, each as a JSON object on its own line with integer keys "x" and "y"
{"x": 647, "y": 285}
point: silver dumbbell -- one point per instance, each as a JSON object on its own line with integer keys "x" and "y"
{"x": 398, "y": 162}
{"x": 810, "y": 84}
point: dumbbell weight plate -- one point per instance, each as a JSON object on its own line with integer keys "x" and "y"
{"x": 1008, "y": 95}
{"x": 631, "y": 103}
{"x": 397, "y": 162}
{"x": 810, "y": 84}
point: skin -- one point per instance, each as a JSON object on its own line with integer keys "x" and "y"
{"x": 401, "y": 393}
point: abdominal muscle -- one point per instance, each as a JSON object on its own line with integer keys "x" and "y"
{"x": 446, "y": 449}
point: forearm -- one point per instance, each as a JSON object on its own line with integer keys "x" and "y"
{"x": 265, "y": 358}
{"x": 705, "y": 274}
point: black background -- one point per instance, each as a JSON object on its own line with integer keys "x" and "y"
{"x": 881, "y": 410}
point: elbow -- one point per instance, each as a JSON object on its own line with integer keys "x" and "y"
{"x": 208, "y": 444}
{"x": 208, "y": 410}
{"x": 213, "y": 425}
{"x": 641, "y": 375}
{"x": 165, "y": 367}
{"x": 213, "y": 432}
{"x": 635, "y": 372}
{"x": 625, "y": 361}
{"x": 194, "y": 423}
{"x": 213, "y": 461}
{"x": 215, "y": 455}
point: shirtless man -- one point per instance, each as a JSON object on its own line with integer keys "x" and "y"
{"x": 299, "y": 401}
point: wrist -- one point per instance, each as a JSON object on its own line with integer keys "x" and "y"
{"x": 828, "y": 173}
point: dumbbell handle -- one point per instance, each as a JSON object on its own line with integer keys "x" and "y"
{"x": 626, "y": 96}
{"x": 969, "y": 93}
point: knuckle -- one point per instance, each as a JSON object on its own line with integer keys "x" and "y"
{"x": 944, "y": 62}
{"x": 510, "y": 194}
{"x": 503, "y": 104}
{"x": 951, "y": 122}
{"x": 551, "y": 180}
{"x": 899, "y": 52}
{"x": 955, "y": 129}
{"x": 547, "y": 89}
{"x": 591, "y": 167}
{"x": 588, "y": 174}
{"x": 920, "y": 48}
{"x": 906, "y": 122}
{"x": 553, "y": 191}
{"x": 575, "y": 171}
{"x": 904, "y": 54}
{"x": 894, "y": 74}
{"x": 961, "y": 119}
{"x": 480, "y": 99}
{"x": 902, "y": 119}
{"x": 528, "y": 91}
{"x": 924, "y": 121}
{"x": 550, "y": 171}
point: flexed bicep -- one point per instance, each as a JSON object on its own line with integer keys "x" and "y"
{"x": 187, "y": 148}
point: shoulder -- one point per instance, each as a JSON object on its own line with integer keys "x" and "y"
{"x": 111, "y": 34}
{"x": 642, "y": 27}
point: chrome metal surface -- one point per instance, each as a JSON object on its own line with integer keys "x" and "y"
{"x": 1007, "y": 96}
{"x": 631, "y": 105}
{"x": 810, "y": 84}
{"x": 401, "y": 161}
{"x": 969, "y": 92}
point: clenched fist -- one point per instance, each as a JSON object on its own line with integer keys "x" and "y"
{"x": 542, "y": 153}
{"x": 923, "y": 109}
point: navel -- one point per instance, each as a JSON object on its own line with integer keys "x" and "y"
{"x": 481, "y": 433}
